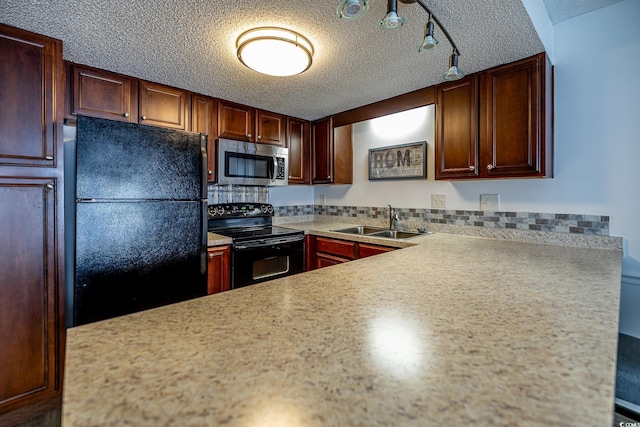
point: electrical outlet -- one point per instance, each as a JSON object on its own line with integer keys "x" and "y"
{"x": 438, "y": 201}
{"x": 489, "y": 202}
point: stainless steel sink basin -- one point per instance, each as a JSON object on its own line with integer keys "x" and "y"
{"x": 395, "y": 234}
{"x": 360, "y": 229}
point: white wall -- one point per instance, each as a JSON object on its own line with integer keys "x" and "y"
{"x": 597, "y": 144}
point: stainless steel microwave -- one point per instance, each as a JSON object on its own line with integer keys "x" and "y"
{"x": 246, "y": 163}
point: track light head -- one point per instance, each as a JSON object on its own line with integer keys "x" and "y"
{"x": 391, "y": 20}
{"x": 350, "y": 10}
{"x": 453, "y": 73}
{"x": 429, "y": 42}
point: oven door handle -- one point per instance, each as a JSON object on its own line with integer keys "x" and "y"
{"x": 268, "y": 242}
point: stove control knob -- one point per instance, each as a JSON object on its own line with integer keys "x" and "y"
{"x": 220, "y": 210}
{"x": 270, "y": 208}
{"x": 264, "y": 208}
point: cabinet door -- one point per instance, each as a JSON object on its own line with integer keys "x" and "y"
{"x": 31, "y": 298}
{"x": 99, "y": 93}
{"x": 235, "y": 121}
{"x": 270, "y": 128}
{"x": 366, "y": 250}
{"x": 218, "y": 269}
{"x": 457, "y": 129}
{"x": 512, "y": 112}
{"x": 343, "y": 155}
{"x": 204, "y": 120}
{"x": 321, "y": 152}
{"x": 299, "y": 145}
{"x": 31, "y": 67}
{"x": 164, "y": 106}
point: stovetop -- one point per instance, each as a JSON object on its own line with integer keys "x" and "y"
{"x": 246, "y": 221}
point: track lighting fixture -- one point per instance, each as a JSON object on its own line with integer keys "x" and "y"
{"x": 350, "y": 10}
{"x": 391, "y": 20}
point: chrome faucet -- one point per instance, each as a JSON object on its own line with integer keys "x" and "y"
{"x": 393, "y": 217}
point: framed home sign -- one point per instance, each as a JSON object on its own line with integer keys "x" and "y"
{"x": 406, "y": 161}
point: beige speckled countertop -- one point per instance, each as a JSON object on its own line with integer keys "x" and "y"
{"x": 453, "y": 330}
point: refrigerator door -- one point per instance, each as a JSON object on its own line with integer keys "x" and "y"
{"x": 132, "y": 256}
{"x": 118, "y": 160}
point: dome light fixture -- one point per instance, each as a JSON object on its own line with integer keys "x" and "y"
{"x": 392, "y": 21}
{"x": 350, "y": 10}
{"x": 275, "y": 51}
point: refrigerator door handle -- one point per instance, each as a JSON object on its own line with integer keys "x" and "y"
{"x": 203, "y": 167}
{"x": 203, "y": 251}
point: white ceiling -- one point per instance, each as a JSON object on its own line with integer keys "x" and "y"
{"x": 191, "y": 44}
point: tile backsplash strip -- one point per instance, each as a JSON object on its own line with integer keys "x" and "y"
{"x": 560, "y": 229}
{"x": 236, "y": 193}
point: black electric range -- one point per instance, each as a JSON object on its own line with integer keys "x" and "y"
{"x": 260, "y": 251}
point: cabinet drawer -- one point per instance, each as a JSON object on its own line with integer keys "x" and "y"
{"x": 324, "y": 260}
{"x": 339, "y": 248}
{"x": 366, "y": 250}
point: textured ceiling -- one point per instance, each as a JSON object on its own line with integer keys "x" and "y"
{"x": 191, "y": 44}
{"x": 561, "y": 10}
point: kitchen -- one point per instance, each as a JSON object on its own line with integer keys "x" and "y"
{"x": 587, "y": 179}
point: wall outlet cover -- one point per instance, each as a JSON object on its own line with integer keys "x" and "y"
{"x": 489, "y": 202}
{"x": 438, "y": 201}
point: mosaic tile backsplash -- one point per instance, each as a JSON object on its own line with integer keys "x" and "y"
{"x": 595, "y": 225}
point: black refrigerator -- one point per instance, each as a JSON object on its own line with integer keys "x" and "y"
{"x": 140, "y": 218}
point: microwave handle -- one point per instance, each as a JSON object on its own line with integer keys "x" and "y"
{"x": 273, "y": 168}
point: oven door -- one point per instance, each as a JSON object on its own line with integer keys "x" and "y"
{"x": 259, "y": 261}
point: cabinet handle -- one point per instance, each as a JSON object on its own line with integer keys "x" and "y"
{"x": 50, "y": 186}
{"x": 49, "y": 157}
{"x": 472, "y": 168}
{"x": 144, "y": 117}
{"x": 126, "y": 114}
{"x": 489, "y": 167}
{"x": 249, "y": 135}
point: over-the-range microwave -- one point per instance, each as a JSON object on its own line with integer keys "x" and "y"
{"x": 246, "y": 163}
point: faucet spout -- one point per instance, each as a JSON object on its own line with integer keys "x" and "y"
{"x": 393, "y": 217}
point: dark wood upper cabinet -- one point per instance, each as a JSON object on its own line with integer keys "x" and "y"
{"x": 514, "y": 137}
{"x": 271, "y": 128}
{"x": 457, "y": 129}
{"x": 32, "y": 340}
{"x": 235, "y": 121}
{"x": 299, "y": 145}
{"x": 321, "y": 151}
{"x": 164, "y": 106}
{"x": 204, "y": 120}
{"x": 103, "y": 94}
{"x": 497, "y": 123}
{"x": 343, "y": 155}
{"x": 31, "y": 70}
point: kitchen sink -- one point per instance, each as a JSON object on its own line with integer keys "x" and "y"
{"x": 395, "y": 234}
{"x": 360, "y": 229}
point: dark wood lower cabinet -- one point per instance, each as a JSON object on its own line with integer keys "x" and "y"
{"x": 325, "y": 251}
{"x": 218, "y": 269}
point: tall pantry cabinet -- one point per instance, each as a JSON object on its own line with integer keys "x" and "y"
{"x": 32, "y": 335}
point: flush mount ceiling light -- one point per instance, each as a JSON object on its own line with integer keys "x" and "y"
{"x": 275, "y": 51}
{"x": 392, "y": 21}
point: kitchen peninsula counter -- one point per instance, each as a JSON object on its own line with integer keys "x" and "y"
{"x": 451, "y": 330}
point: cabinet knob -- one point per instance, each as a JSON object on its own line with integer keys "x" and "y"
{"x": 49, "y": 157}
{"x": 489, "y": 167}
{"x": 328, "y": 176}
{"x": 126, "y": 114}
{"x": 210, "y": 172}
{"x": 210, "y": 255}
{"x": 249, "y": 135}
{"x": 50, "y": 186}
{"x": 259, "y": 136}
{"x": 289, "y": 176}
{"x": 472, "y": 168}
{"x": 144, "y": 117}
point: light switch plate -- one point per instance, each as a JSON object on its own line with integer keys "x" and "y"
{"x": 438, "y": 201}
{"x": 489, "y": 202}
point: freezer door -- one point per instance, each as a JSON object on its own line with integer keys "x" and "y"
{"x": 118, "y": 160}
{"x": 132, "y": 256}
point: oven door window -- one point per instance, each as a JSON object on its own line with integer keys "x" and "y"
{"x": 242, "y": 165}
{"x": 269, "y": 267}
